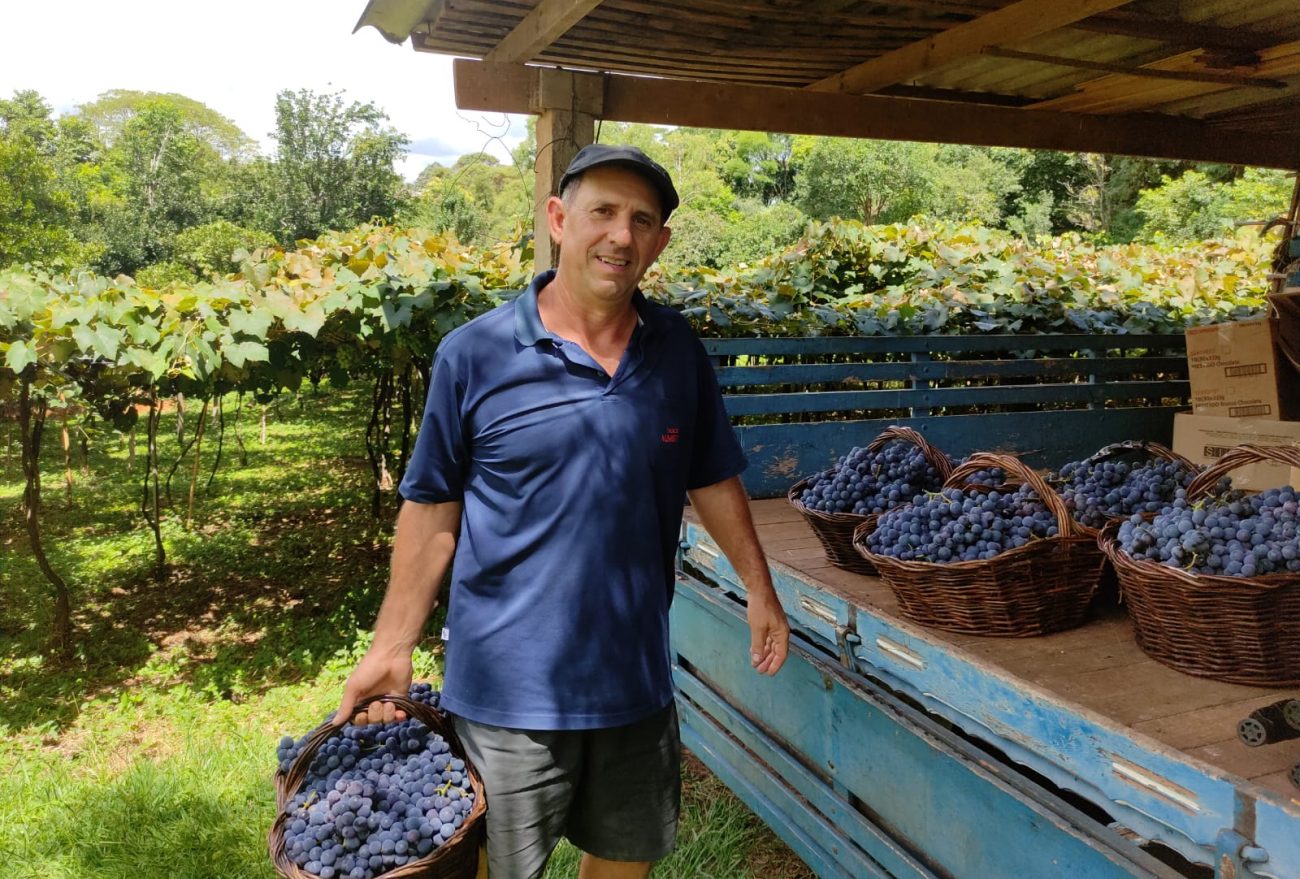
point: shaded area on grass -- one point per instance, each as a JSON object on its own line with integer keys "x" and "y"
{"x": 152, "y": 755}
{"x": 283, "y": 565}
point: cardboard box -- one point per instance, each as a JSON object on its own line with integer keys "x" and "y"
{"x": 1235, "y": 371}
{"x": 1205, "y": 438}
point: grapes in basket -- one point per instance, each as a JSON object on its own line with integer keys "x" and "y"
{"x": 962, "y": 525}
{"x": 1095, "y": 491}
{"x": 865, "y": 482}
{"x": 376, "y": 797}
{"x": 1231, "y": 534}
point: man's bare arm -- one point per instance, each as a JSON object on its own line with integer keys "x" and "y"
{"x": 422, "y": 551}
{"x": 723, "y": 509}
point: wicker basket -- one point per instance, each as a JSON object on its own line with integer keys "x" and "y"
{"x": 835, "y": 530}
{"x": 1108, "y": 591}
{"x": 457, "y": 858}
{"x": 1237, "y": 629}
{"x": 1041, "y": 587}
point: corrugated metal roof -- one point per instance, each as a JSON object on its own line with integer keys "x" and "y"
{"x": 1238, "y": 60}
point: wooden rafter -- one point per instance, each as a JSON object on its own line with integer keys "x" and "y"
{"x": 505, "y": 88}
{"x": 1141, "y": 72}
{"x": 1120, "y": 94}
{"x": 546, "y": 23}
{"x": 1183, "y": 34}
{"x": 1018, "y": 21}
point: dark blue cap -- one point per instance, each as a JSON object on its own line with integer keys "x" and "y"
{"x": 628, "y": 157}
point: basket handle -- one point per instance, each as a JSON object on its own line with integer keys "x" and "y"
{"x": 908, "y": 435}
{"x": 1154, "y": 449}
{"x": 1240, "y": 456}
{"x": 1022, "y": 473}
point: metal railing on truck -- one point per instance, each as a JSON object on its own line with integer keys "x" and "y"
{"x": 798, "y": 403}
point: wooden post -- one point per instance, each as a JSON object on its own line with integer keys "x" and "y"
{"x": 567, "y": 105}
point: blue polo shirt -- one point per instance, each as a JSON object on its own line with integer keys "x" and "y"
{"x": 573, "y": 483}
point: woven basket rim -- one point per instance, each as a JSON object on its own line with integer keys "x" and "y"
{"x": 839, "y": 518}
{"x": 1157, "y": 450}
{"x": 1012, "y": 466}
{"x": 1240, "y": 456}
{"x": 437, "y": 722}
{"x": 1036, "y": 546}
{"x": 1109, "y": 542}
{"x": 1075, "y": 533}
{"x": 893, "y": 433}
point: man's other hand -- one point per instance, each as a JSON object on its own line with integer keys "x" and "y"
{"x": 769, "y": 632}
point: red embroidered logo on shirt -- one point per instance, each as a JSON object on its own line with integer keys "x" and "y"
{"x": 672, "y": 435}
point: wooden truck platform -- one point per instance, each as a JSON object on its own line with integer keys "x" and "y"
{"x": 887, "y": 749}
{"x": 1144, "y": 750}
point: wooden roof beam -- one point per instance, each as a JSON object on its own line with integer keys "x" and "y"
{"x": 1010, "y": 24}
{"x": 1149, "y": 72}
{"x": 510, "y": 88}
{"x": 546, "y": 23}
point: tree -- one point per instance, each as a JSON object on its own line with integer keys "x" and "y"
{"x": 209, "y": 250}
{"x": 27, "y": 115}
{"x": 758, "y": 165}
{"x": 333, "y": 166}
{"x": 478, "y": 199}
{"x": 156, "y": 168}
{"x": 1193, "y": 207}
{"x": 35, "y": 212}
{"x": 1047, "y": 178}
{"x": 111, "y": 111}
{"x": 969, "y": 184}
{"x": 873, "y": 181}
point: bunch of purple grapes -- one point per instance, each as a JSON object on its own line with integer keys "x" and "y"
{"x": 289, "y": 748}
{"x": 1232, "y": 534}
{"x": 962, "y": 525}
{"x": 375, "y": 798}
{"x": 865, "y": 483}
{"x": 1095, "y": 491}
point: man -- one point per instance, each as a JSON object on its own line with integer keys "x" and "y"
{"x": 560, "y": 434}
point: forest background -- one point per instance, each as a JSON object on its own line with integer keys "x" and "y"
{"x": 158, "y": 647}
{"x": 164, "y": 188}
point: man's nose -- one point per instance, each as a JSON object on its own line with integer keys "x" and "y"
{"x": 620, "y": 231}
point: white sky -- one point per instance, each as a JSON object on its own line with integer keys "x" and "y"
{"x": 234, "y": 56}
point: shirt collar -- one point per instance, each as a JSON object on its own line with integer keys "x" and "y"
{"x": 528, "y": 320}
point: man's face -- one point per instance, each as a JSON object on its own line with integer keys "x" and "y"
{"x": 609, "y": 233}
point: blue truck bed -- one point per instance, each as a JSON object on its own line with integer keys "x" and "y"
{"x": 886, "y": 749}
{"x": 1126, "y": 751}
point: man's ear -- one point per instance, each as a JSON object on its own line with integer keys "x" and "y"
{"x": 665, "y": 234}
{"x": 555, "y": 212}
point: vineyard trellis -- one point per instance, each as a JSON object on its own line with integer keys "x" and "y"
{"x": 372, "y": 304}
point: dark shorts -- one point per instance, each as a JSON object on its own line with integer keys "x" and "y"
{"x": 614, "y": 793}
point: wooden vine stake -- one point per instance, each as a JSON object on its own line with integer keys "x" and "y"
{"x": 67, "y": 454}
{"x": 150, "y": 505}
{"x": 239, "y": 439}
{"x": 198, "y": 455}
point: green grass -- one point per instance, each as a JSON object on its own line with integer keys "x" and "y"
{"x": 151, "y": 755}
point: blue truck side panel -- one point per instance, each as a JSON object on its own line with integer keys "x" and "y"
{"x": 845, "y": 753}
{"x": 779, "y": 454}
{"x": 934, "y": 805}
